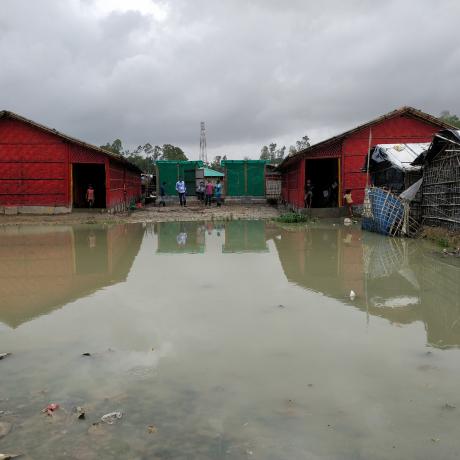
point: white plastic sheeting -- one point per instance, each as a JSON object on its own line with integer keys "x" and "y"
{"x": 399, "y": 155}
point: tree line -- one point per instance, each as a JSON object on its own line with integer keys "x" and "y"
{"x": 145, "y": 156}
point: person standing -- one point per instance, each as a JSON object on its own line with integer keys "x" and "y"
{"x": 308, "y": 194}
{"x": 90, "y": 196}
{"x": 209, "y": 191}
{"x": 162, "y": 194}
{"x": 218, "y": 192}
{"x": 349, "y": 202}
{"x": 181, "y": 190}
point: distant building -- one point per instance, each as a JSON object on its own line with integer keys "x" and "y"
{"x": 45, "y": 171}
{"x": 340, "y": 158}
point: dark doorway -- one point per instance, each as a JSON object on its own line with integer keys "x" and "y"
{"x": 324, "y": 177}
{"x": 84, "y": 174}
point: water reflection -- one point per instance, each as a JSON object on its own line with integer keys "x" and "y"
{"x": 180, "y": 237}
{"x": 396, "y": 279}
{"x": 245, "y": 236}
{"x": 190, "y": 237}
{"x": 43, "y": 268}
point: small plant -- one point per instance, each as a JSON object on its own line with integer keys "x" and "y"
{"x": 292, "y": 218}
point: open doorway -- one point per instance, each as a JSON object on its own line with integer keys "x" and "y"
{"x": 324, "y": 177}
{"x": 84, "y": 174}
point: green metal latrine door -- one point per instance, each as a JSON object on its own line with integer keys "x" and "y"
{"x": 189, "y": 178}
{"x": 245, "y": 177}
{"x": 167, "y": 171}
{"x": 171, "y": 171}
{"x": 235, "y": 179}
{"x": 256, "y": 179}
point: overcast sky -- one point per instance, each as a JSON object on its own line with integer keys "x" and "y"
{"x": 255, "y": 71}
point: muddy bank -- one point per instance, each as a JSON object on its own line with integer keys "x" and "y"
{"x": 441, "y": 236}
{"x": 149, "y": 214}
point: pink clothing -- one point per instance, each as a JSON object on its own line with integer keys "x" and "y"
{"x": 209, "y": 189}
{"x": 90, "y": 194}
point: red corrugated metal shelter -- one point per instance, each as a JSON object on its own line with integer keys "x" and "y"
{"x": 45, "y": 171}
{"x": 342, "y": 157}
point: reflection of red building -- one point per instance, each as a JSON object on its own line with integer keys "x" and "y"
{"x": 44, "y": 268}
{"x": 325, "y": 260}
{"x": 342, "y": 157}
{"x": 45, "y": 171}
{"x": 393, "y": 278}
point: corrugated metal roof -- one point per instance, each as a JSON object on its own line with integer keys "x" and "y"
{"x": 400, "y": 156}
{"x": 208, "y": 172}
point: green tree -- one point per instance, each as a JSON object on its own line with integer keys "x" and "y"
{"x": 115, "y": 147}
{"x": 264, "y": 153}
{"x": 216, "y": 163}
{"x": 170, "y": 152}
{"x": 272, "y": 154}
{"x": 450, "y": 118}
{"x": 303, "y": 143}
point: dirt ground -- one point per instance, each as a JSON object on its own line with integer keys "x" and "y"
{"x": 148, "y": 214}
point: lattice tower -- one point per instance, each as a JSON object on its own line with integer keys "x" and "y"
{"x": 203, "y": 151}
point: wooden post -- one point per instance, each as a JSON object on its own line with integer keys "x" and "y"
{"x": 245, "y": 178}
{"x": 339, "y": 174}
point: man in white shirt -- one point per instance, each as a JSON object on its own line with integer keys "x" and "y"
{"x": 181, "y": 190}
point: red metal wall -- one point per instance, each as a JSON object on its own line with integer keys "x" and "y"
{"x": 35, "y": 169}
{"x": 124, "y": 185}
{"x": 293, "y": 184}
{"x": 352, "y": 151}
{"x": 396, "y": 130}
{"x": 33, "y": 166}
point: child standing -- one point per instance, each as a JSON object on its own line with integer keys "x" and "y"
{"x": 348, "y": 202}
{"x": 90, "y": 196}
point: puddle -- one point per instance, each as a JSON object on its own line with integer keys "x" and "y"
{"x": 227, "y": 340}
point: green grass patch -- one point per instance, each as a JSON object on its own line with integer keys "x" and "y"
{"x": 293, "y": 218}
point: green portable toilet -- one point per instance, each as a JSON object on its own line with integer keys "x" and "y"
{"x": 169, "y": 171}
{"x": 245, "y": 177}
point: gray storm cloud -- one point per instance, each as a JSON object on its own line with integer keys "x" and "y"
{"x": 254, "y": 71}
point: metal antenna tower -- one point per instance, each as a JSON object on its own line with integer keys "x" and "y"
{"x": 203, "y": 151}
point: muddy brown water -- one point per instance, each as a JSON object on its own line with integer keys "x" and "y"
{"x": 234, "y": 340}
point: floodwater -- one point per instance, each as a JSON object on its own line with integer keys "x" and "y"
{"x": 230, "y": 341}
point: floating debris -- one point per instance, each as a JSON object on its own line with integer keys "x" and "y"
{"x": 449, "y": 406}
{"x": 9, "y": 456}
{"x": 50, "y": 408}
{"x": 152, "y": 429}
{"x": 111, "y": 417}
{"x": 86, "y": 354}
{"x": 4, "y": 355}
{"x": 352, "y": 295}
{"x": 5, "y": 428}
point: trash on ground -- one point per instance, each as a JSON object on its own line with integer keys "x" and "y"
{"x": 5, "y": 428}
{"x": 111, "y": 417}
{"x": 152, "y": 429}
{"x": 50, "y": 408}
{"x": 352, "y": 295}
{"x": 4, "y": 355}
{"x": 449, "y": 406}
{"x": 80, "y": 413}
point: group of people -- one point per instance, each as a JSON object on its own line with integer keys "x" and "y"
{"x": 328, "y": 196}
{"x": 204, "y": 191}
